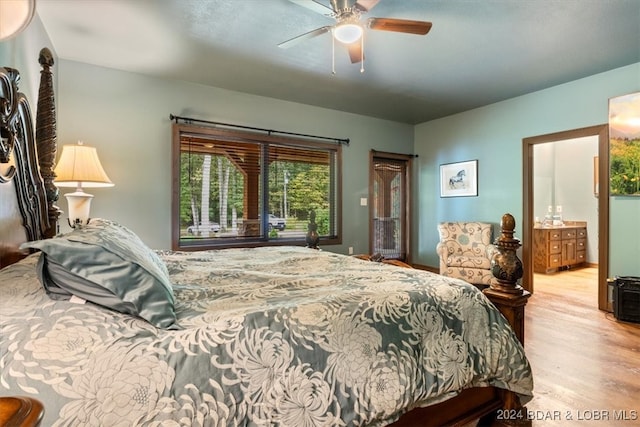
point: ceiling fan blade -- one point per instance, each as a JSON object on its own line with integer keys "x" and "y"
{"x": 400, "y": 25}
{"x": 314, "y": 5}
{"x": 366, "y": 5}
{"x": 355, "y": 52}
{"x": 306, "y": 36}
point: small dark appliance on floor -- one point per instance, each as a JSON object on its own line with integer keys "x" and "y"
{"x": 626, "y": 299}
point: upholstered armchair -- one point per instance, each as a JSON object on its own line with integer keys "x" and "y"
{"x": 465, "y": 251}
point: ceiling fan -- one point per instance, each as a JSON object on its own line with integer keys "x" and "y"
{"x": 349, "y": 27}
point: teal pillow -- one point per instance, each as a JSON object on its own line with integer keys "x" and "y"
{"x": 107, "y": 264}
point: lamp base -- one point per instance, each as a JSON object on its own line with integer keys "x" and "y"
{"x": 79, "y": 206}
{"x": 77, "y": 223}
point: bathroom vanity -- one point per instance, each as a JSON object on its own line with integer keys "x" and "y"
{"x": 559, "y": 247}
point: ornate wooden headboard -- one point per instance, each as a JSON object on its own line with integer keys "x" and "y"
{"x": 27, "y": 193}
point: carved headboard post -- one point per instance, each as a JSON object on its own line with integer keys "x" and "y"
{"x": 9, "y": 79}
{"x": 46, "y": 135}
{"x": 25, "y": 213}
{"x": 509, "y": 297}
{"x": 505, "y": 292}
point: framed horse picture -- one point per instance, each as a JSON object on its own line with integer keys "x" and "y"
{"x": 459, "y": 179}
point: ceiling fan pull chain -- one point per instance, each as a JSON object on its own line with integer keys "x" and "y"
{"x": 362, "y": 53}
{"x": 333, "y": 54}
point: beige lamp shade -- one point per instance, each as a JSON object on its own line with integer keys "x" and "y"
{"x": 15, "y": 15}
{"x": 79, "y": 166}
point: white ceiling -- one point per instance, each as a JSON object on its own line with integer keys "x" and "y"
{"x": 477, "y": 53}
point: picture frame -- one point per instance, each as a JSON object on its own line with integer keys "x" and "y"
{"x": 459, "y": 179}
{"x": 624, "y": 145}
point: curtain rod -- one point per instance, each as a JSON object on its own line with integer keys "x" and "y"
{"x": 408, "y": 155}
{"x": 189, "y": 120}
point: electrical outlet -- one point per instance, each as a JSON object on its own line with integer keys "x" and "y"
{"x": 363, "y": 201}
{"x": 350, "y": 250}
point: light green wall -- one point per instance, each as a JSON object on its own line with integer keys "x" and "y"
{"x": 493, "y": 134}
{"x": 126, "y": 116}
{"x": 624, "y": 253}
{"x": 21, "y": 52}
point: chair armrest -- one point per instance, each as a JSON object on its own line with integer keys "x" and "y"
{"x": 442, "y": 250}
{"x": 443, "y": 255}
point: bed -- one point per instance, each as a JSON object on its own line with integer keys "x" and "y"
{"x": 104, "y": 331}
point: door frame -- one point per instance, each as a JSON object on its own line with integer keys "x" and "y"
{"x": 408, "y": 158}
{"x": 602, "y": 132}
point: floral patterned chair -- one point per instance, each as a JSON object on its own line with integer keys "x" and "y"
{"x": 465, "y": 251}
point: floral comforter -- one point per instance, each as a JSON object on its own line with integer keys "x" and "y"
{"x": 270, "y": 336}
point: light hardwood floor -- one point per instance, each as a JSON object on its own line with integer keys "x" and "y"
{"x": 586, "y": 365}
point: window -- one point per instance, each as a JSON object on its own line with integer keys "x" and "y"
{"x": 233, "y": 188}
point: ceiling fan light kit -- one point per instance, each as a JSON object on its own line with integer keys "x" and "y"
{"x": 349, "y": 29}
{"x": 15, "y": 16}
{"x": 356, "y": 51}
{"x": 348, "y": 33}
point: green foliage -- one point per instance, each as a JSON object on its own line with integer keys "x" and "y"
{"x": 307, "y": 188}
{"x": 191, "y": 186}
{"x": 625, "y": 166}
{"x": 322, "y": 219}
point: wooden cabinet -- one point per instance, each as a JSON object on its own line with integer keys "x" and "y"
{"x": 555, "y": 248}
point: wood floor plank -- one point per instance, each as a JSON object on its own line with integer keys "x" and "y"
{"x": 586, "y": 364}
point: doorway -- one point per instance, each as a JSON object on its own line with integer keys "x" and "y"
{"x": 389, "y": 187}
{"x": 601, "y": 132}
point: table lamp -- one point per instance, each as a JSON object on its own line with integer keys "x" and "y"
{"x": 79, "y": 166}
